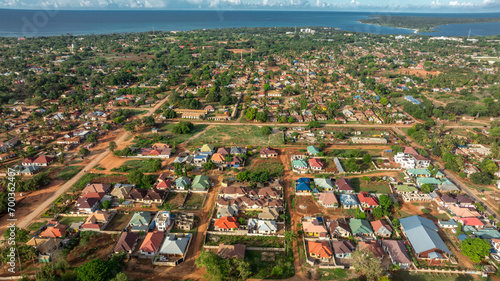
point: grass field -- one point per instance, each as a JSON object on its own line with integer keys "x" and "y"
{"x": 173, "y": 201}
{"x": 144, "y": 166}
{"x": 195, "y": 201}
{"x": 69, "y": 220}
{"x": 68, "y": 172}
{"x": 119, "y": 221}
{"x": 249, "y": 241}
{"x": 273, "y": 166}
{"x": 371, "y": 186}
{"x": 237, "y": 135}
{"x": 36, "y": 225}
{"x": 180, "y": 138}
{"x": 403, "y": 214}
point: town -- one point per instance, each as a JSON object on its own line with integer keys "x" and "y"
{"x": 251, "y": 153}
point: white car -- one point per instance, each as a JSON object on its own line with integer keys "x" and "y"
{"x": 496, "y": 257}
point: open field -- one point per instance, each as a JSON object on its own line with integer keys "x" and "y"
{"x": 237, "y": 135}
{"x": 119, "y": 221}
{"x": 174, "y": 201}
{"x": 411, "y": 276}
{"x": 249, "y": 241}
{"x": 69, "y": 220}
{"x": 194, "y": 201}
{"x": 359, "y": 184}
{"x": 180, "y": 138}
{"x": 68, "y": 172}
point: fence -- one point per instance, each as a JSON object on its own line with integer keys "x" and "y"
{"x": 253, "y": 248}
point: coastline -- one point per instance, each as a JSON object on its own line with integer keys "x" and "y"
{"x": 415, "y": 31}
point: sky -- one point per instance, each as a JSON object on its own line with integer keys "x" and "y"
{"x": 463, "y": 6}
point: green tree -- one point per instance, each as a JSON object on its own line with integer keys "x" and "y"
{"x": 367, "y": 158}
{"x": 489, "y": 166}
{"x": 169, "y": 114}
{"x": 129, "y": 127}
{"x": 242, "y": 176}
{"x": 250, "y": 114}
{"x": 94, "y": 270}
{"x": 148, "y": 121}
{"x": 208, "y": 165}
{"x": 384, "y": 101}
{"x": 475, "y": 248}
{"x": 265, "y": 130}
{"x": 83, "y": 151}
{"x": 261, "y": 116}
{"x": 481, "y": 178}
{"x": 112, "y": 146}
{"x": 368, "y": 264}
{"x": 314, "y": 124}
{"x": 106, "y": 204}
{"x": 182, "y": 127}
{"x": 427, "y": 188}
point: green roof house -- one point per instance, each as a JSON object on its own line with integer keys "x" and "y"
{"x": 201, "y": 182}
{"x": 324, "y": 183}
{"x": 361, "y": 228}
{"x": 140, "y": 221}
{"x": 312, "y": 150}
{"x": 419, "y": 173}
{"x": 182, "y": 183}
{"x": 432, "y": 181}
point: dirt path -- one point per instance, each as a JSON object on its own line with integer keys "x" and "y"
{"x": 26, "y": 220}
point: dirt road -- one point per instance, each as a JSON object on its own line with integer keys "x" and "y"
{"x": 25, "y": 221}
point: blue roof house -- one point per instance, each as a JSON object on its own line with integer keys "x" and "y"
{"x": 423, "y": 236}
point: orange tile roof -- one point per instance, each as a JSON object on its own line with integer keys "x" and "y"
{"x": 320, "y": 249}
{"x": 227, "y": 223}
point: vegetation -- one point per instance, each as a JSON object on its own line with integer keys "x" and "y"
{"x": 475, "y": 248}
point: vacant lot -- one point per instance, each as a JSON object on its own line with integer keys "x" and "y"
{"x": 174, "y": 201}
{"x": 180, "y": 138}
{"x": 359, "y": 184}
{"x": 119, "y": 221}
{"x": 90, "y": 246}
{"x": 249, "y": 241}
{"x": 144, "y": 166}
{"x": 273, "y": 166}
{"x": 69, "y": 220}
{"x": 68, "y": 172}
{"x": 237, "y": 135}
{"x": 194, "y": 201}
{"x": 411, "y": 276}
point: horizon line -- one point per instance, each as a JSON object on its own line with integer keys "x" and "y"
{"x": 250, "y": 10}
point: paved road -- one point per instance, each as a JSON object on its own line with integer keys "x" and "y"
{"x": 489, "y": 210}
{"x": 24, "y": 222}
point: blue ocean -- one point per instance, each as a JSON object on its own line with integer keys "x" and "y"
{"x": 34, "y": 23}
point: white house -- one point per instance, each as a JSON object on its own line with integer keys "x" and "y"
{"x": 405, "y": 160}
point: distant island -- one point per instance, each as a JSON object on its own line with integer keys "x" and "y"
{"x": 422, "y": 24}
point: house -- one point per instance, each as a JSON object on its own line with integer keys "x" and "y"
{"x": 315, "y": 164}
{"x": 344, "y": 185}
{"x": 496, "y": 244}
{"x": 164, "y": 185}
{"x": 162, "y": 220}
{"x": 7, "y": 155}
{"x": 421, "y": 161}
{"x": 55, "y": 230}
{"x": 262, "y": 226}
{"x": 45, "y": 247}
{"x": 87, "y": 205}
{"x": 126, "y": 243}
{"x": 300, "y": 166}
{"x": 312, "y": 227}
{"x": 231, "y": 251}
{"x": 464, "y": 201}
{"x": 218, "y": 158}
{"x": 343, "y": 249}
{"x": 361, "y": 228}
{"x": 201, "y": 158}
{"x": 269, "y": 214}
{"x": 447, "y": 224}
{"x": 381, "y": 228}
{"x": 405, "y": 189}
{"x": 97, "y": 188}
{"x": 175, "y": 248}
{"x": 338, "y": 229}
{"x": 367, "y": 201}
{"x": 475, "y": 222}
{"x": 349, "y": 201}
{"x": 463, "y": 212}
{"x": 371, "y": 246}
{"x": 184, "y": 221}
{"x": 325, "y": 184}
{"x": 226, "y": 224}
{"x": 302, "y": 185}
{"x": 236, "y": 162}
{"x": 236, "y": 150}
{"x": 418, "y": 173}
{"x": 207, "y": 148}
{"x": 328, "y": 200}
{"x": 423, "y": 236}
{"x": 97, "y": 221}
{"x": 406, "y": 161}
{"x": 121, "y": 191}
{"x": 201, "y": 182}
{"x": 487, "y": 233}
{"x": 431, "y": 181}
{"x": 232, "y": 191}
{"x": 182, "y": 183}
{"x": 43, "y": 160}
{"x": 268, "y": 152}
{"x": 152, "y": 243}
{"x": 140, "y": 221}
{"x": 320, "y": 250}
{"x": 397, "y": 252}
{"x": 312, "y": 150}
{"x": 155, "y": 196}
{"x": 448, "y": 200}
